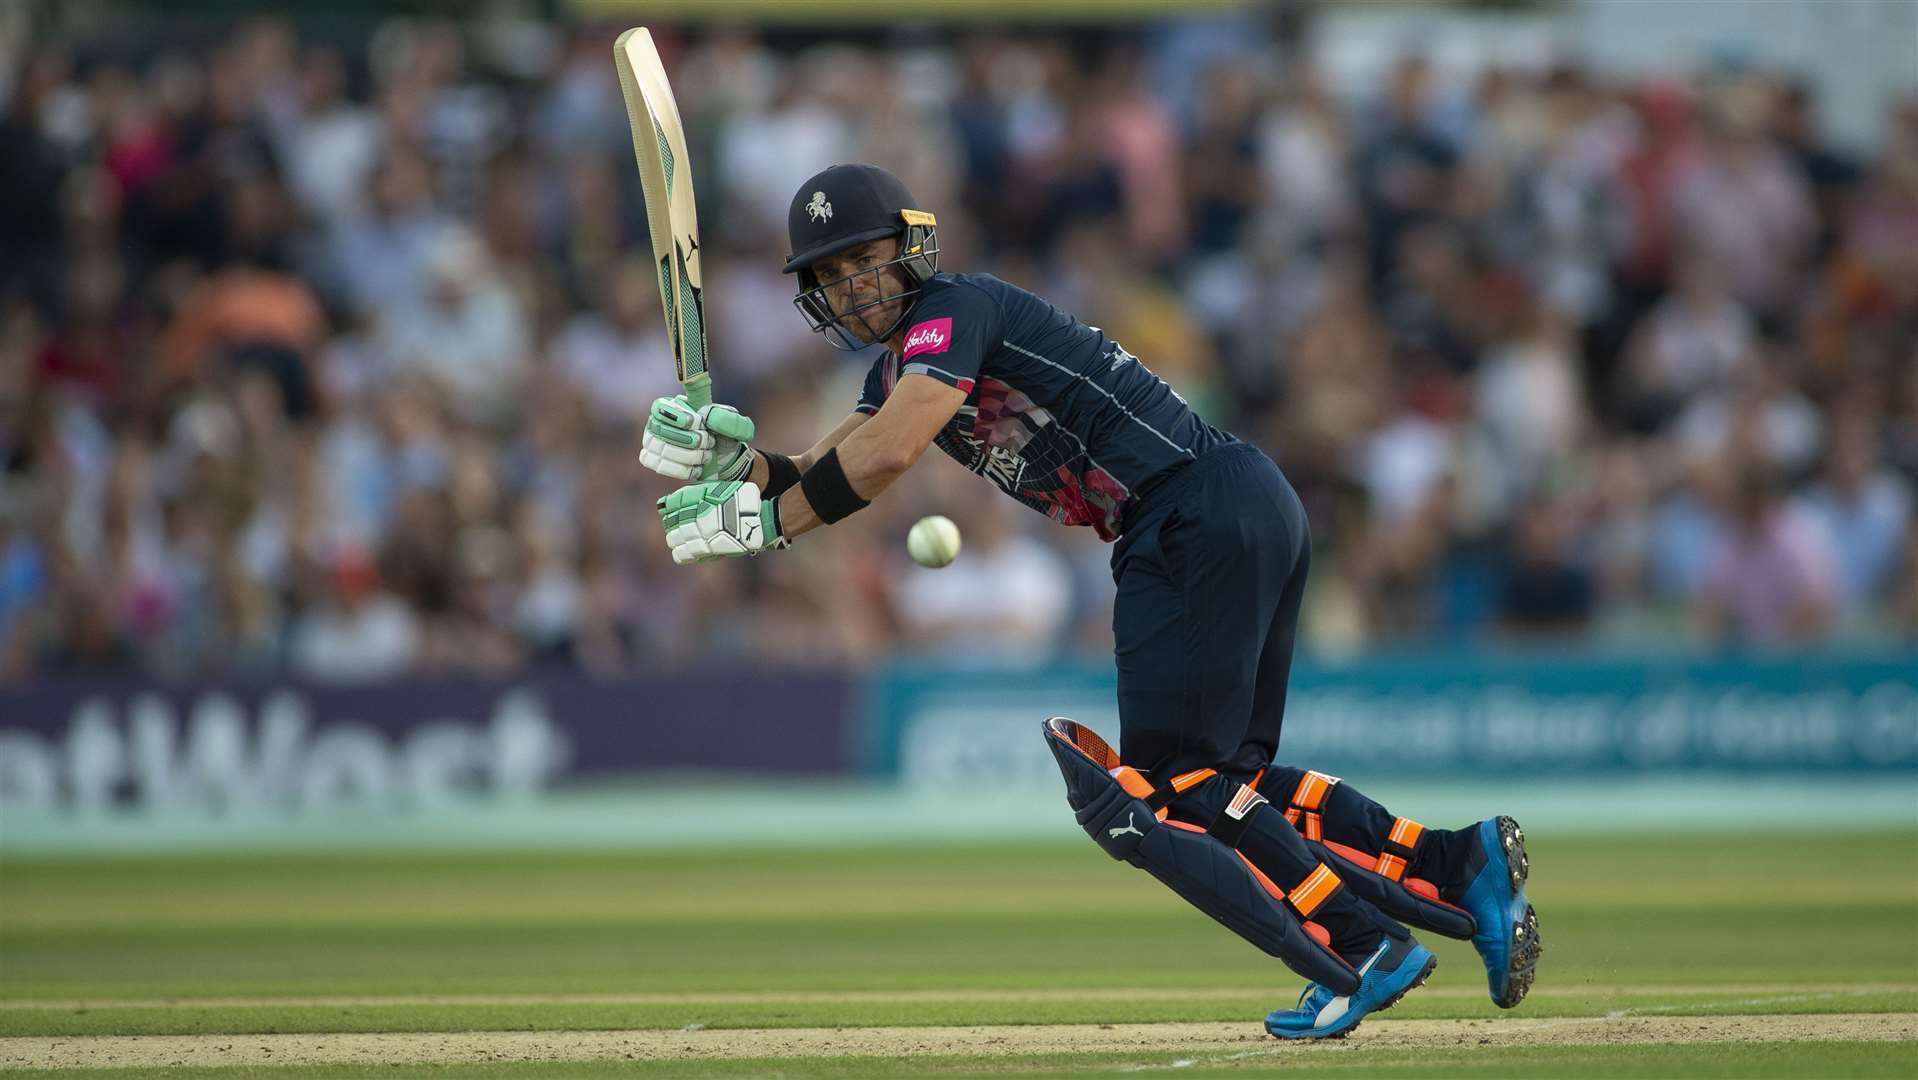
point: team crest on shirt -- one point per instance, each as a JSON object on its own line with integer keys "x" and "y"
{"x": 819, "y": 209}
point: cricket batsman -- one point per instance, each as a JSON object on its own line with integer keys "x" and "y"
{"x": 1210, "y": 549}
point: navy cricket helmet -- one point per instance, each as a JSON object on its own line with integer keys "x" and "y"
{"x": 844, "y": 207}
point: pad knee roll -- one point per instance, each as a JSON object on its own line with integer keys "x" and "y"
{"x": 1114, "y": 804}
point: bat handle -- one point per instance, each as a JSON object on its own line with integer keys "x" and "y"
{"x": 699, "y": 390}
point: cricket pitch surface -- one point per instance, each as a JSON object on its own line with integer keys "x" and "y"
{"x": 1196, "y": 1043}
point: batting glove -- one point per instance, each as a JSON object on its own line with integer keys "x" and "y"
{"x": 696, "y": 444}
{"x": 719, "y": 520}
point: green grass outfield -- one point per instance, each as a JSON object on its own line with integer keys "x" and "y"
{"x": 1802, "y": 945}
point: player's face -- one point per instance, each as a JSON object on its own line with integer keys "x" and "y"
{"x": 865, "y": 294}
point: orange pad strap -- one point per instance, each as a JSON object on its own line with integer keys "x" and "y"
{"x": 1306, "y": 801}
{"x": 1312, "y": 893}
{"x": 1312, "y": 790}
{"x": 1400, "y": 845}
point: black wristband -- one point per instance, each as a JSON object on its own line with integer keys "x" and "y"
{"x": 828, "y": 491}
{"x": 781, "y": 474}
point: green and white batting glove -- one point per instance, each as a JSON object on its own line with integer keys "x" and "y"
{"x": 717, "y": 520}
{"x": 696, "y": 444}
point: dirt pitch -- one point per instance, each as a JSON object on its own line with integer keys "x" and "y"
{"x": 1766, "y": 994}
{"x": 1204, "y": 1042}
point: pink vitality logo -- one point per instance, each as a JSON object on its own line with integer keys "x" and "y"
{"x": 928, "y": 337}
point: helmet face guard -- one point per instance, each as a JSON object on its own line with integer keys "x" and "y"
{"x": 918, "y": 261}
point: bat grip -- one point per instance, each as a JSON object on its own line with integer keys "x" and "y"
{"x": 699, "y": 390}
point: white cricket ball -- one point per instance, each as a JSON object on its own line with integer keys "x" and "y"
{"x": 933, "y": 541}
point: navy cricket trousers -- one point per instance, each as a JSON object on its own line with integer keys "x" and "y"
{"x": 1210, "y": 573}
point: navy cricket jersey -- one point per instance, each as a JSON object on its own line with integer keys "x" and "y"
{"x": 1056, "y": 415}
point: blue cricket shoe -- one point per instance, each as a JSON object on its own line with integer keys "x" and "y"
{"x": 1507, "y": 937}
{"x": 1396, "y": 969}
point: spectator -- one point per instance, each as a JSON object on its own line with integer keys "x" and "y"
{"x": 1405, "y": 167}
{"x": 1302, "y": 152}
{"x": 1566, "y": 199}
{"x": 379, "y": 256}
{"x": 469, "y": 628}
{"x": 546, "y": 612}
{"x": 356, "y": 631}
{"x": 1221, "y": 164}
{"x": 23, "y": 584}
{"x": 765, "y": 155}
{"x": 1743, "y": 205}
{"x": 1648, "y": 177}
{"x": 1865, "y": 512}
{"x": 1546, "y": 591}
{"x": 618, "y": 357}
{"x": 31, "y": 170}
{"x": 1687, "y": 526}
{"x": 87, "y": 354}
{"x": 762, "y": 347}
{"x": 332, "y": 144}
{"x": 1529, "y": 397}
{"x": 469, "y": 336}
{"x": 1769, "y": 580}
{"x": 1828, "y": 172}
{"x": 1144, "y": 145}
{"x": 978, "y": 119}
{"x": 1429, "y": 306}
{"x": 1006, "y": 601}
{"x": 218, "y": 146}
{"x": 247, "y": 318}
{"x": 1762, "y": 412}
{"x": 1694, "y": 341}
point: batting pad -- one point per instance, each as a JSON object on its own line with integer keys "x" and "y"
{"x": 1109, "y": 800}
{"x": 1376, "y": 878}
{"x": 1397, "y": 899}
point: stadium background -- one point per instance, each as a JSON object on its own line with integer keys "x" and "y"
{"x": 346, "y": 689}
{"x": 1591, "y": 342}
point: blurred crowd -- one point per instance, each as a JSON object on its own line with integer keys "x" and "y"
{"x": 328, "y": 359}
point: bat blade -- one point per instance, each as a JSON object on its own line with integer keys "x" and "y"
{"x": 659, "y": 149}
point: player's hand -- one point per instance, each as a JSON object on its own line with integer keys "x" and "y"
{"x": 696, "y": 444}
{"x": 717, "y": 520}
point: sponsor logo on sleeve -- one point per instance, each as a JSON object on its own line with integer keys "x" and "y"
{"x": 931, "y": 336}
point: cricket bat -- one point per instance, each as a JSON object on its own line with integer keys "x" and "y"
{"x": 659, "y": 145}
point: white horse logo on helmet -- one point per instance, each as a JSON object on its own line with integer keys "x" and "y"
{"x": 819, "y": 209}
